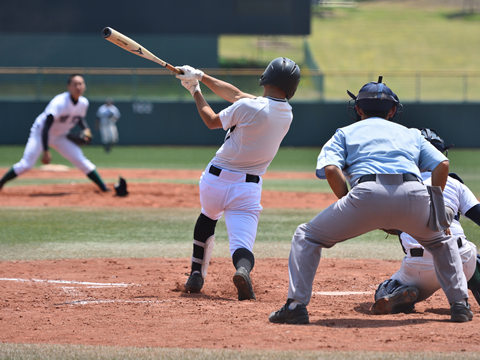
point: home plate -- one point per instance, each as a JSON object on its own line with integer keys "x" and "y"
{"x": 340, "y": 293}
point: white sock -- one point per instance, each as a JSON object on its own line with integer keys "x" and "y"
{"x": 294, "y": 304}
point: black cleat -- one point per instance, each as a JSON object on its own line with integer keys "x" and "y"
{"x": 299, "y": 315}
{"x": 402, "y": 300}
{"x": 242, "y": 281}
{"x": 194, "y": 283}
{"x": 460, "y": 312}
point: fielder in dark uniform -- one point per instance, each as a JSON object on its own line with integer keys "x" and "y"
{"x": 381, "y": 161}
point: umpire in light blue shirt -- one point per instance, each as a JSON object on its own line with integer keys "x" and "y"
{"x": 381, "y": 160}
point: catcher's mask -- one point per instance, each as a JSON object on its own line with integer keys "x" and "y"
{"x": 282, "y": 73}
{"x": 121, "y": 187}
{"x": 433, "y": 138}
{"x": 375, "y": 97}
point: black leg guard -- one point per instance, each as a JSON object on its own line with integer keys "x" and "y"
{"x": 392, "y": 297}
{"x": 204, "y": 228}
{"x": 243, "y": 258}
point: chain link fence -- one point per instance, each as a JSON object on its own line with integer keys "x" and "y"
{"x": 27, "y": 84}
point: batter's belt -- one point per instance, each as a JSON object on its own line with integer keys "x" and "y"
{"x": 248, "y": 178}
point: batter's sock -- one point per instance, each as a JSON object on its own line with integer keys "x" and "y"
{"x": 204, "y": 228}
{"x": 8, "y": 176}
{"x": 243, "y": 258}
{"x": 97, "y": 180}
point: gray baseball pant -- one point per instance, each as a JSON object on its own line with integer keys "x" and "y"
{"x": 387, "y": 203}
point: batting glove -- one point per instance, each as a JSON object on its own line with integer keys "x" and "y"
{"x": 191, "y": 85}
{"x": 190, "y": 73}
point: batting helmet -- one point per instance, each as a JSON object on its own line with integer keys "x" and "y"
{"x": 282, "y": 73}
{"x": 374, "y": 97}
{"x": 433, "y": 138}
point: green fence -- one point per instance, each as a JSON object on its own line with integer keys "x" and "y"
{"x": 157, "y": 84}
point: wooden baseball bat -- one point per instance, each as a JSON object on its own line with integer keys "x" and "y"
{"x": 132, "y": 46}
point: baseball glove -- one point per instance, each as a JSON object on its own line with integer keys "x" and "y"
{"x": 83, "y": 137}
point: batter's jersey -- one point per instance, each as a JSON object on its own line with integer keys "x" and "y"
{"x": 378, "y": 146}
{"x": 65, "y": 113}
{"x": 256, "y": 129}
{"x": 456, "y": 196}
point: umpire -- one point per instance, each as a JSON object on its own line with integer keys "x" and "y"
{"x": 381, "y": 161}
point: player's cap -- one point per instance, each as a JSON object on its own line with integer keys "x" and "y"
{"x": 375, "y": 96}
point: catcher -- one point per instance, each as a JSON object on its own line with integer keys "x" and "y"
{"x": 52, "y": 127}
{"x": 416, "y": 279}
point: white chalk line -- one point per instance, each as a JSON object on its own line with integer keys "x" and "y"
{"x": 93, "y": 284}
{"x": 87, "y": 302}
{"x": 340, "y": 293}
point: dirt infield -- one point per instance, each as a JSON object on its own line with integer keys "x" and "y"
{"x": 140, "y": 302}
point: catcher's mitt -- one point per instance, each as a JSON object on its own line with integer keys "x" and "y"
{"x": 83, "y": 137}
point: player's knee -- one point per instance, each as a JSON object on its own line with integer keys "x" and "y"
{"x": 204, "y": 228}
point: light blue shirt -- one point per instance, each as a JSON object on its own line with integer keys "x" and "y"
{"x": 378, "y": 146}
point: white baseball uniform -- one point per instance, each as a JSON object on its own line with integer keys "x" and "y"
{"x": 66, "y": 115}
{"x": 108, "y": 115}
{"x": 417, "y": 266}
{"x": 256, "y": 129}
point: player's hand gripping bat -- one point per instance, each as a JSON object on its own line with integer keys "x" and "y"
{"x": 135, "y": 48}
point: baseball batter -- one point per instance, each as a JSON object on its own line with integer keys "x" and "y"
{"x": 107, "y": 117}
{"x": 231, "y": 183}
{"x": 416, "y": 280}
{"x": 381, "y": 161}
{"x": 51, "y": 128}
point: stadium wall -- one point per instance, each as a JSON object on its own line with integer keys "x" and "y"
{"x": 178, "y": 123}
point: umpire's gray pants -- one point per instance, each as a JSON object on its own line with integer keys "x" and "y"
{"x": 387, "y": 203}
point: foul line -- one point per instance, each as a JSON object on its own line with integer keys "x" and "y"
{"x": 86, "y": 302}
{"x": 339, "y": 293}
{"x": 70, "y": 282}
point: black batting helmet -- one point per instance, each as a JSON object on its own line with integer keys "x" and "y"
{"x": 433, "y": 138}
{"x": 375, "y": 97}
{"x": 282, "y": 73}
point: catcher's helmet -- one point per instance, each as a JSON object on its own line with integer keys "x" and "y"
{"x": 433, "y": 138}
{"x": 284, "y": 74}
{"x": 374, "y": 96}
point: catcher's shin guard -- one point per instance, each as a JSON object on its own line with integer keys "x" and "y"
{"x": 203, "y": 242}
{"x": 391, "y": 297}
{"x": 474, "y": 282}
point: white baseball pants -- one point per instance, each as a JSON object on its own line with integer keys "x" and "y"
{"x": 240, "y": 201}
{"x": 65, "y": 147}
{"x": 419, "y": 271}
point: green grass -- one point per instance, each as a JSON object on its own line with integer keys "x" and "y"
{"x": 465, "y": 162}
{"x": 78, "y": 352}
{"x": 395, "y": 39}
{"x": 69, "y": 233}
{"x": 380, "y": 35}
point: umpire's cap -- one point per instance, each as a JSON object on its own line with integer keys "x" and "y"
{"x": 433, "y": 138}
{"x": 282, "y": 73}
{"x": 375, "y": 96}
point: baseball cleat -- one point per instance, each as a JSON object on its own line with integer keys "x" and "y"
{"x": 194, "y": 283}
{"x": 285, "y": 315}
{"x": 242, "y": 281}
{"x": 397, "y": 302}
{"x": 460, "y": 312}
